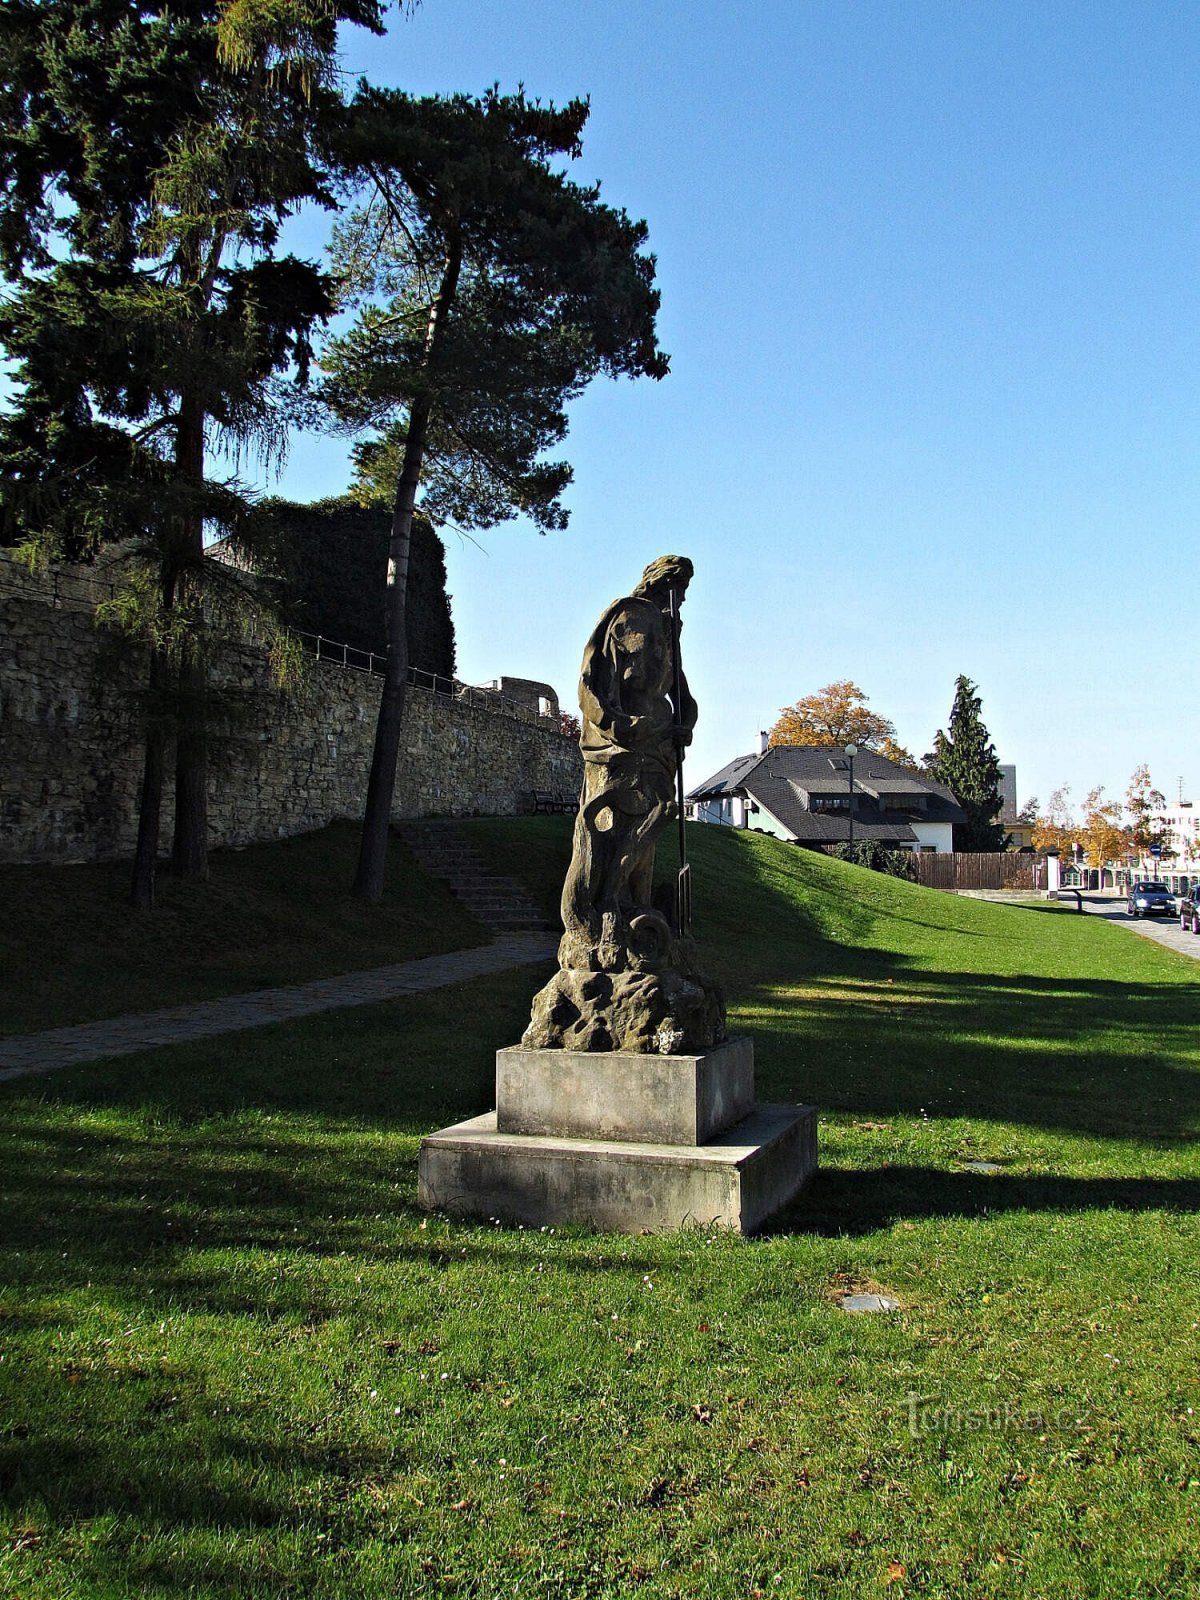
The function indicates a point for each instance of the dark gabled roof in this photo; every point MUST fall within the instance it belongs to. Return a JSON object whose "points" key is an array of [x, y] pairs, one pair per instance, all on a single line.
{"points": [[824, 827], [729, 780], [780, 779], [835, 783], [875, 782]]}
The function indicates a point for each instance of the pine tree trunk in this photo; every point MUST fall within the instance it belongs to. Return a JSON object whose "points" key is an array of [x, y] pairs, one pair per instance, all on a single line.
{"points": [[189, 856], [381, 786], [145, 861]]}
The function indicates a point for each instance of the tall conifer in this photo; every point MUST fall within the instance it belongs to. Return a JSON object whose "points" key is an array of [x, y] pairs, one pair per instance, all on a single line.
{"points": [[964, 759], [148, 155]]}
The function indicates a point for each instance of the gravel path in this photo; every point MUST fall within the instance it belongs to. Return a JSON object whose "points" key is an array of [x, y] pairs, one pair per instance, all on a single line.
{"points": [[122, 1036]]}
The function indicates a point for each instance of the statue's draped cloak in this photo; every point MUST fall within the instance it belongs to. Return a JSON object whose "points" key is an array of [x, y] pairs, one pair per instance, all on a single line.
{"points": [[628, 978]]}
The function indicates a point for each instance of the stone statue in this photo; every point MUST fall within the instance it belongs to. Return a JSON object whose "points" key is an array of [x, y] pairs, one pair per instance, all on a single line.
{"points": [[627, 976]]}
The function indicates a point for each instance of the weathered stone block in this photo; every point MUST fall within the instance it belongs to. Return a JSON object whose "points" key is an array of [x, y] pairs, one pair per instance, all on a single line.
{"points": [[650, 1099], [736, 1181]]}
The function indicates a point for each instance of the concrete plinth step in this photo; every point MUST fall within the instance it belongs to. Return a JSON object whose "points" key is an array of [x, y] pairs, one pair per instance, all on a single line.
{"points": [[736, 1180]]}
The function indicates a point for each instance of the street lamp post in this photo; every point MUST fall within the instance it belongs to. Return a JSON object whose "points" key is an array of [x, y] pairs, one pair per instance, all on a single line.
{"points": [[851, 752]]}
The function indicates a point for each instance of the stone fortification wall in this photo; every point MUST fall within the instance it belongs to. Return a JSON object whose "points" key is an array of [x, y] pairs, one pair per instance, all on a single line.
{"points": [[281, 763]]}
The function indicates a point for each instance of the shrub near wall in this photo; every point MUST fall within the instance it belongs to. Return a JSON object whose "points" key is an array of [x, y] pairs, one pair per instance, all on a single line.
{"points": [[71, 750]]}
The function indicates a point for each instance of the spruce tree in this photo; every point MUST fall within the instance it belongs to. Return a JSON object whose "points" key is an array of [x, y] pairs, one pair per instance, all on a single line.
{"points": [[964, 759], [148, 155]]}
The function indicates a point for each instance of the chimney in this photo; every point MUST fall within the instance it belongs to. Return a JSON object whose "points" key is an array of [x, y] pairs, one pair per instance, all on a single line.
{"points": [[762, 742]]}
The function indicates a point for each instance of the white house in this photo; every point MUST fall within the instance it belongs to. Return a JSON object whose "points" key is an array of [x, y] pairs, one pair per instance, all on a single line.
{"points": [[808, 794]]}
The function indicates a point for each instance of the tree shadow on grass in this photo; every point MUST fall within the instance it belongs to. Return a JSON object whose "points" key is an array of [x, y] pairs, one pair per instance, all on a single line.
{"points": [[1094, 1056], [116, 1210], [841, 1201]]}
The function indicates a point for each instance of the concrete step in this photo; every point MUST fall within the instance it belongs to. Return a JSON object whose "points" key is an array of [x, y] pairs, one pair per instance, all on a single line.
{"points": [[499, 902]]}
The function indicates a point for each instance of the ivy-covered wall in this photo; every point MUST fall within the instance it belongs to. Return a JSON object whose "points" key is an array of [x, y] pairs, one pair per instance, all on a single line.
{"points": [[332, 558]]}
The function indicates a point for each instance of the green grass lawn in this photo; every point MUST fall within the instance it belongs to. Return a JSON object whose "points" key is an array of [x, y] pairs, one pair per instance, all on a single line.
{"points": [[235, 1360], [72, 949]]}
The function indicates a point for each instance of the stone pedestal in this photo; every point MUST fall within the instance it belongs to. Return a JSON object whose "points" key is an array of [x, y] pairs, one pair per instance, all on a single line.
{"points": [[624, 1142]]}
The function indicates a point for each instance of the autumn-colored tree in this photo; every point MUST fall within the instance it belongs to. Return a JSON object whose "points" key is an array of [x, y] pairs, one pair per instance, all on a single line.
{"points": [[1101, 834], [568, 725], [835, 715], [897, 753], [1142, 800], [1056, 828]]}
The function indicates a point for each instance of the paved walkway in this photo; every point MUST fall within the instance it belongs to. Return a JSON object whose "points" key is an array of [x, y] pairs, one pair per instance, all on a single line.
{"points": [[123, 1036], [1163, 930]]}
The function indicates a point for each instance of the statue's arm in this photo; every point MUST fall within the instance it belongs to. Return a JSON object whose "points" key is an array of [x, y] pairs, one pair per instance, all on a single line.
{"points": [[686, 712]]}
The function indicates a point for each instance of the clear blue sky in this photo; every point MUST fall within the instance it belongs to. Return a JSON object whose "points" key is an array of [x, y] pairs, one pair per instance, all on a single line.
{"points": [[930, 290]]}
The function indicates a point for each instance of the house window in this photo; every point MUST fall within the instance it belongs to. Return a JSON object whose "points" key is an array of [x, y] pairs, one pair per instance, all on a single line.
{"points": [[830, 802]]}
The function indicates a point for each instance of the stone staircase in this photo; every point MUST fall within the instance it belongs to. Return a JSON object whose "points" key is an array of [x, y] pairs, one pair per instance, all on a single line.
{"points": [[501, 903]]}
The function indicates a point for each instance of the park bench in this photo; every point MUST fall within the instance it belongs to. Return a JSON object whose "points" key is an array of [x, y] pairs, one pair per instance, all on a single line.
{"points": [[548, 804]]}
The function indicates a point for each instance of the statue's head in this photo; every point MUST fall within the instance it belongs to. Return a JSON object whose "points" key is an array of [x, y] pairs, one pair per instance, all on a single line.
{"points": [[668, 572]]}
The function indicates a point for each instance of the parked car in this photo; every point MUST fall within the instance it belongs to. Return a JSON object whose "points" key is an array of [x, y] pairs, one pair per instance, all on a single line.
{"points": [[1148, 898], [1189, 909]]}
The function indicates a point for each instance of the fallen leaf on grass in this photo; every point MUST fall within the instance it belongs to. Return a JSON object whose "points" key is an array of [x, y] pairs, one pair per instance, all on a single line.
{"points": [[461, 1505], [701, 1413], [895, 1571], [874, 1127]]}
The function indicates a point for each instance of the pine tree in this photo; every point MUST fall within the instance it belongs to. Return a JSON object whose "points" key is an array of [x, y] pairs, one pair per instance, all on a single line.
{"points": [[493, 290], [964, 759]]}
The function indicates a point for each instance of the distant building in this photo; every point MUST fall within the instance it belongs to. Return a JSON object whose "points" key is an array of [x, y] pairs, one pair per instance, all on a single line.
{"points": [[1008, 794], [1020, 834], [1179, 865], [533, 695], [803, 793]]}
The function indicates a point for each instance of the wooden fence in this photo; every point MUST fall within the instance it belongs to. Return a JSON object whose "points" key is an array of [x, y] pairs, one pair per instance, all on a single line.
{"points": [[989, 869]]}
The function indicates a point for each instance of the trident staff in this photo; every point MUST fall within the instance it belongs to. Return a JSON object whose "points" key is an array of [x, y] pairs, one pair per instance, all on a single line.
{"points": [[683, 891]]}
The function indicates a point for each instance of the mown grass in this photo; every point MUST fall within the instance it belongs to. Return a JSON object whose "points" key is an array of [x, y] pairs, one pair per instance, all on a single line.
{"points": [[72, 949], [239, 1362]]}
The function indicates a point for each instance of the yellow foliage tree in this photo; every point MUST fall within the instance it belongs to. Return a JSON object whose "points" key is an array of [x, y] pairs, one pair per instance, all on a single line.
{"points": [[1056, 828], [835, 715], [1142, 800], [1101, 835], [897, 753]]}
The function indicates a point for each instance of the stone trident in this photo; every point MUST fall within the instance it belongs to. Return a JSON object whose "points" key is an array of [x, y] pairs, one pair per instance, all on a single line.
{"points": [[683, 888]]}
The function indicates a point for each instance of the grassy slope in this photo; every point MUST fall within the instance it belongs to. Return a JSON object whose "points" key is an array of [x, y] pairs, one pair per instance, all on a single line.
{"points": [[73, 950], [238, 1362]]}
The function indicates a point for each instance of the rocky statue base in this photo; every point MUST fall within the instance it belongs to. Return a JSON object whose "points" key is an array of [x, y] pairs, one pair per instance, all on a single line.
{"points": [[618, 998], [623, 1141]]}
